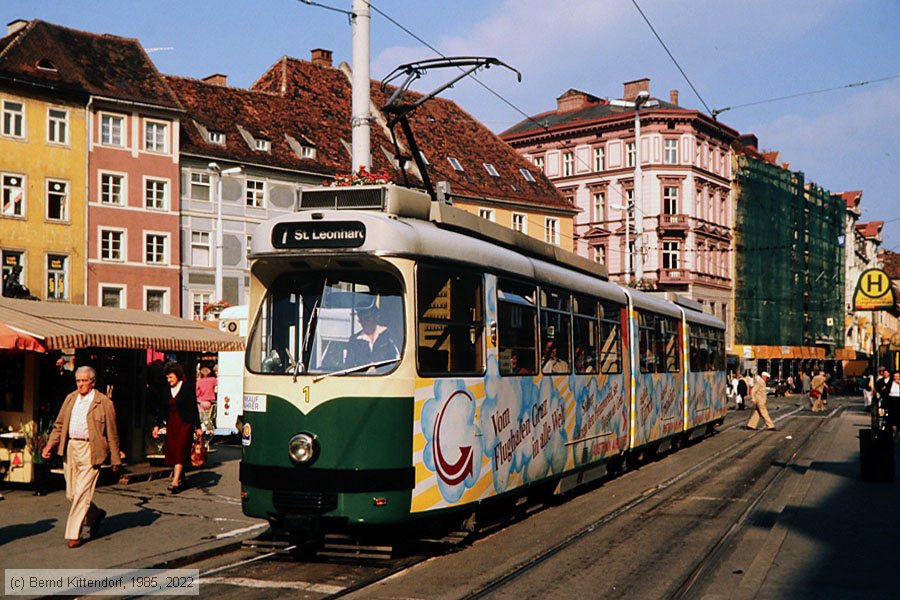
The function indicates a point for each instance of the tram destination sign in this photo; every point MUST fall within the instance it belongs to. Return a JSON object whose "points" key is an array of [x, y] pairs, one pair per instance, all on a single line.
{"points": [[315, 234]]}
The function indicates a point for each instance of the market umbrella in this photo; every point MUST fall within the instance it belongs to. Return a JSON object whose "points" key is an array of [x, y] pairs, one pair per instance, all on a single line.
{"points": [[13, 339]]}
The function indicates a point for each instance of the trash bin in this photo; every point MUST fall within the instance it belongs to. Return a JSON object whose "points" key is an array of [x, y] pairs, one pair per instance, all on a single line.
{"points": [[876, 455]]}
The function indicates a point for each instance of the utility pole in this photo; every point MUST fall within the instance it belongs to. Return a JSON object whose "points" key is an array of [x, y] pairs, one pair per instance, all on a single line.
{"points": [[641, 99], [361, 119]]}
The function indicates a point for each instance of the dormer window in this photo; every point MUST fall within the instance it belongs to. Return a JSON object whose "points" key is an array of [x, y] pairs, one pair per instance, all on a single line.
{"points": [[527, 175], [263, 145], [491, 170], [217, 137], [45, 64], [307, 151], [455, 164]]}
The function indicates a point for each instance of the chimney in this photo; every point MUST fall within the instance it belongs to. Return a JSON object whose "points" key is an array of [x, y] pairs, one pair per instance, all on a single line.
{"points": [[14, 26], [673, 97], [749, 140], [216, 79], [574, 100], [321, 57], [632, 88]]}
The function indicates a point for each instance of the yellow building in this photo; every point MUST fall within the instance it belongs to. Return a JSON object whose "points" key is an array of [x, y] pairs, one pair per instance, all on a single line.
{"points": [[43, 163], [552, 226]]}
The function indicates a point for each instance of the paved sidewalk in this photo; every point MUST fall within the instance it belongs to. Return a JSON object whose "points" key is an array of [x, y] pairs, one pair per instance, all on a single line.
{"points": [[145, 527], [837, 535]]}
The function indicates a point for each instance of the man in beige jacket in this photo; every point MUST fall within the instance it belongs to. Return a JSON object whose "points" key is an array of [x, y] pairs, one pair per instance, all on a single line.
{"points": [[759, 398], [817, 390], [85, 435]]}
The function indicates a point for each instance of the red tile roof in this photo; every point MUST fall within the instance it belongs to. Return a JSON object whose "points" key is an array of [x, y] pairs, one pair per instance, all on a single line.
{"points": [[322, 95], [852, 199], [81, 62], [870, 230], [260, 114]]}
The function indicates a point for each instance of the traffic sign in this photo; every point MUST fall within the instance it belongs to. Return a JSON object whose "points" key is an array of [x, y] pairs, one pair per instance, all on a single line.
{"points": [[873, 291]]}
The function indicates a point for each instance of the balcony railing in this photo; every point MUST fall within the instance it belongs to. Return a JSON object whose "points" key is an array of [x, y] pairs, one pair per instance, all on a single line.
{"points": [[673, 222], [674, 276]]}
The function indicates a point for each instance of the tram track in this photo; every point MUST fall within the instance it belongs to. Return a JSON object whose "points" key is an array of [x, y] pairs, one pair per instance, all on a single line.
{"points": [[329, 578], [704, 562]]}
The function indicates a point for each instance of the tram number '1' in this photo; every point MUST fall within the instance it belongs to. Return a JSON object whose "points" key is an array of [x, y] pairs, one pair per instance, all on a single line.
{"points": [[306, 394]]}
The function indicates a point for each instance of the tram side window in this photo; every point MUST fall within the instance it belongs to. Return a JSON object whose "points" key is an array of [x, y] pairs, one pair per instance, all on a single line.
{"points": [[610, 338], [516, 326], [646, 339], [555, 334], [667, 342], [707, 349], [450, 321], [720, 355], [694, 348], [584, 334]]}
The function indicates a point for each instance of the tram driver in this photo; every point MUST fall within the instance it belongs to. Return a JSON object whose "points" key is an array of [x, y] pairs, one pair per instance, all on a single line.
{"points": [[373, 343]]}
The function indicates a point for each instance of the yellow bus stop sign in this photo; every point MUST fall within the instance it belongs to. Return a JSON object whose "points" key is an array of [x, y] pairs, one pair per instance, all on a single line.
{"points": [[873, 291]]}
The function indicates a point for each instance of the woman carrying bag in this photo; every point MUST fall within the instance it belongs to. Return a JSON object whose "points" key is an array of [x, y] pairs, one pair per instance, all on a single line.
{"points": [[182, 422]]}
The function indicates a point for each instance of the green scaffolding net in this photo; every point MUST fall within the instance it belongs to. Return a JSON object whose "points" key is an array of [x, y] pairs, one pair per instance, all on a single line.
{"points": [[789, 268]]}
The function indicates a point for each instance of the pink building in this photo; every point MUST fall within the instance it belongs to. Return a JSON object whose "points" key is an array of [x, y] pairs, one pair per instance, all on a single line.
{"points": [[680, 228], [133, 181]]}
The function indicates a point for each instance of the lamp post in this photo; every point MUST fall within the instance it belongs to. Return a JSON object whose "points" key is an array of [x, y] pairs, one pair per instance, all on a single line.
{"points": [[627, 208], [641, 99], [218, 172]]}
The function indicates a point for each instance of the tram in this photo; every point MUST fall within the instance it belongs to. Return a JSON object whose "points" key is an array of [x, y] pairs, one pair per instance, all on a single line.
{"points": [[411, 362]]}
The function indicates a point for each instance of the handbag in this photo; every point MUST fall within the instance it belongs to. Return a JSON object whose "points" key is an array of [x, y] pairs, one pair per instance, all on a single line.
{"points": [[198, 452], [813, 393]]}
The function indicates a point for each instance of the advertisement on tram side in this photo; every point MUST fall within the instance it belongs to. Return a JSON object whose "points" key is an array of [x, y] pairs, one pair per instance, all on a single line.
{"points": [[706, 397], [476, 438]]}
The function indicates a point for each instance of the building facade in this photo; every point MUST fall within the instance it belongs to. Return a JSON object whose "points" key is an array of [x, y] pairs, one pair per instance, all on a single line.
{"points": [[672, 231], [101, 147], [43, 186], [789, 264]]}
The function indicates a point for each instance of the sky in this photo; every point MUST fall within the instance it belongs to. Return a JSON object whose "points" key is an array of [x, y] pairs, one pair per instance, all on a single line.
{"points": [[733, 53]]}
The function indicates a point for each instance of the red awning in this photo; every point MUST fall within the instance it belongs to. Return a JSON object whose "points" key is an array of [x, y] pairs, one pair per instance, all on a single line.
{"points": [[13, 339]]}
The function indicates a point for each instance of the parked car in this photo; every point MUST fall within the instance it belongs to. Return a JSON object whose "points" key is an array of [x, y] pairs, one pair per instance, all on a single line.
{"points": [[777, 387]]}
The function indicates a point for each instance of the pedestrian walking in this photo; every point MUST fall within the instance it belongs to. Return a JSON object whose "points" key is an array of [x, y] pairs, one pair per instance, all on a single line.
{"points": [[742, 392], [891, 403], [85, 435], [867, 385], [759, 399], [805, 383], [817, 390], [206, 398], [181, 422], [733, 392]]}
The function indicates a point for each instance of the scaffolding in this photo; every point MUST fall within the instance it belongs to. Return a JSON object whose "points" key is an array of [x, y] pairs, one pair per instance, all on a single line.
{"points": [[789, 275]]}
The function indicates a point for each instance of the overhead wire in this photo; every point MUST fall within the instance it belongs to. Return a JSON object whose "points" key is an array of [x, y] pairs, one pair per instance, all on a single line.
{"points": [[716, 112], [666, 48]]}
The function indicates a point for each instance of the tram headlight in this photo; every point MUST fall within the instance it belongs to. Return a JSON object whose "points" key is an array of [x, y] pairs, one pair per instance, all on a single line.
{"points": [[302, 448]]}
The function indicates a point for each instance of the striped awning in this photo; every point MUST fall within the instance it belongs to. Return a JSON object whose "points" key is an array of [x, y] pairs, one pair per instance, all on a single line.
{"points": [[62, 326]]}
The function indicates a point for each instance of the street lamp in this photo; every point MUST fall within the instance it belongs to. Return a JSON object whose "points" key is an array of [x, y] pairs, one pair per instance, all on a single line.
{"points": [[217, 172], [641, 99]]}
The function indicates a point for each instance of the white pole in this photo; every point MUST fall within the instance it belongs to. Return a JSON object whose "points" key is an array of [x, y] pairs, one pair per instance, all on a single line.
{"points": [[638, 204], [627, 241], [360, 121], [219, 250]]}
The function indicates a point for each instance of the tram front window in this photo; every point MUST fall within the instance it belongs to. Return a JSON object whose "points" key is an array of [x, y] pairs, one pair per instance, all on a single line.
{"points": [[334, 323]]}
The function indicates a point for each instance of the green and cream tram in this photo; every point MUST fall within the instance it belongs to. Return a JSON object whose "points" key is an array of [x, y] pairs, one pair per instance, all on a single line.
{"points": [[408, 360]]}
